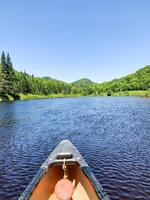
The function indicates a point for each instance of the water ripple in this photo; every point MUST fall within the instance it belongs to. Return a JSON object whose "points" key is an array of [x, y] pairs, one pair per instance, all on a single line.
{"points": [[111, 133]]}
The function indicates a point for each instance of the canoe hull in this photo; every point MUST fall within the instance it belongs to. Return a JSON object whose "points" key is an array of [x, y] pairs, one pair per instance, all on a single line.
{"points": [[86, 182]]}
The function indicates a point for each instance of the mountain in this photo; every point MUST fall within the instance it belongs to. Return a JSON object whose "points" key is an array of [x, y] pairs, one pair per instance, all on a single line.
{"points": [[140, 80], [13, 84], [48, 78], [83, 83]]}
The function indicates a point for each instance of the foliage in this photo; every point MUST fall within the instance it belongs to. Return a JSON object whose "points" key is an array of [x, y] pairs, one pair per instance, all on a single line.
{"points": [[15, 85], [36, 96], [141, 93], [140, 80], [83, 83], [7, 76]]}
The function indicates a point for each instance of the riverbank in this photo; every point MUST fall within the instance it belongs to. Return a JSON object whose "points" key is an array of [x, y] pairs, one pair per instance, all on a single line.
{"points": [[34, 96], [140, 93]]}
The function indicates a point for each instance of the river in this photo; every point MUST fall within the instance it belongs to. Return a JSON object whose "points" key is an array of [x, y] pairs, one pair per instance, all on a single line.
{"points": [[112, 134]]}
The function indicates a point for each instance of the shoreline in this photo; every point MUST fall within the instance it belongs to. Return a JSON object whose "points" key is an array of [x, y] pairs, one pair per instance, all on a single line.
{"points": [[34, 96], [140, 93]]}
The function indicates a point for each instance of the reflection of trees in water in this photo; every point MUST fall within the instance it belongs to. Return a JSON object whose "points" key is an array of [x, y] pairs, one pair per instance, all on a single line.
{"points": [[8, 116], [8, 120], [8, 159]]}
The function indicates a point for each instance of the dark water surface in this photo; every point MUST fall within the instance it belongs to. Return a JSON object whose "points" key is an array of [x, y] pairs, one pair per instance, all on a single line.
{"points": [[112, 133]]}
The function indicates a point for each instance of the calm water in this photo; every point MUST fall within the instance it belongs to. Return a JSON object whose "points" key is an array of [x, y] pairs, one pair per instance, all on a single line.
{"points": [[112, 133]]}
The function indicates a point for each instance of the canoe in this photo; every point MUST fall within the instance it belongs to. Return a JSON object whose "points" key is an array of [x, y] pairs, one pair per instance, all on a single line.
{"points": [[65, 172]]}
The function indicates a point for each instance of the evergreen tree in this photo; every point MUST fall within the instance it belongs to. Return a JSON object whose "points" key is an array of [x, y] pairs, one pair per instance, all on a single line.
{"points": [[0, 79], [4, 82], [9, 63], [7, 75], [25, 83], [3, 58], [10, 75]]}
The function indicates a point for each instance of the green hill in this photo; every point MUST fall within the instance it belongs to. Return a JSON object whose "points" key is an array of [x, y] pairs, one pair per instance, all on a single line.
{"points": [[83, 83], [14, 85], [138, 81], [48, 78]]}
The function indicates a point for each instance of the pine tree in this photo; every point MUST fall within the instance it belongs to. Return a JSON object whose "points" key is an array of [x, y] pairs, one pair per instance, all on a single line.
{"points": [[10, 75], [7, 75], [25, 83], [0, 80], [3, 59], [8, 62], [4, 82]]}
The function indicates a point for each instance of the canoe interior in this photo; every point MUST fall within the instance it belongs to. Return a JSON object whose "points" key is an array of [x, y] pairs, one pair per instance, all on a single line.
{"points": [[83, 189]]}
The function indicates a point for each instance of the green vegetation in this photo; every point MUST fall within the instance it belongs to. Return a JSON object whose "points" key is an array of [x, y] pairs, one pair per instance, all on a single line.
{"points": [[35, 96], [20, 85], [140, 93], [83, 83], [82, 86], [136, 84], [140, 80]]}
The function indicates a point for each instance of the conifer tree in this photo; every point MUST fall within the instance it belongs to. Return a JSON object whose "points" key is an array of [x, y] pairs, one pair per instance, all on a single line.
{"points": [[3, 58], [7, 75], [4, 82], [0, 80], [8, 62], [10, 74]]}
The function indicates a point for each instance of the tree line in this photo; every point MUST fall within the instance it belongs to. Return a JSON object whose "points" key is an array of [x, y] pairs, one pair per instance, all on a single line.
{"points": [[140, 80], [14, 83]]}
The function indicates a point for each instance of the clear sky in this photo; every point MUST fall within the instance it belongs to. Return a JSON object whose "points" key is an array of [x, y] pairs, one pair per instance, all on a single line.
{"points": [[73, 39]]}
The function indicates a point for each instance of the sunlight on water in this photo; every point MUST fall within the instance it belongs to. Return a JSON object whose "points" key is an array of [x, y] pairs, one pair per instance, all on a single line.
{"points": [[112, 133]]}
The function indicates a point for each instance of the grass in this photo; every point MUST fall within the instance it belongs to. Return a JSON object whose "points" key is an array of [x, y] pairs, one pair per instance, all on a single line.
{"points": [[140, 93], [35, 96]]}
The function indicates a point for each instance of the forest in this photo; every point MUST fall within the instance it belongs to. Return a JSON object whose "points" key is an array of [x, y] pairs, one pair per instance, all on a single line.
{"points": [[20, 85]]}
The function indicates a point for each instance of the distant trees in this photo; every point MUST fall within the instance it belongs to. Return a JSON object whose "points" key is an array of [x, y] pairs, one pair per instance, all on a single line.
{"points": [[140, 80], [13, 83]]}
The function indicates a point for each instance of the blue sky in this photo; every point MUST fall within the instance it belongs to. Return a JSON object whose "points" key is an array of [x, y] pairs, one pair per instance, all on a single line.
{"points": [[72, 39]]}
